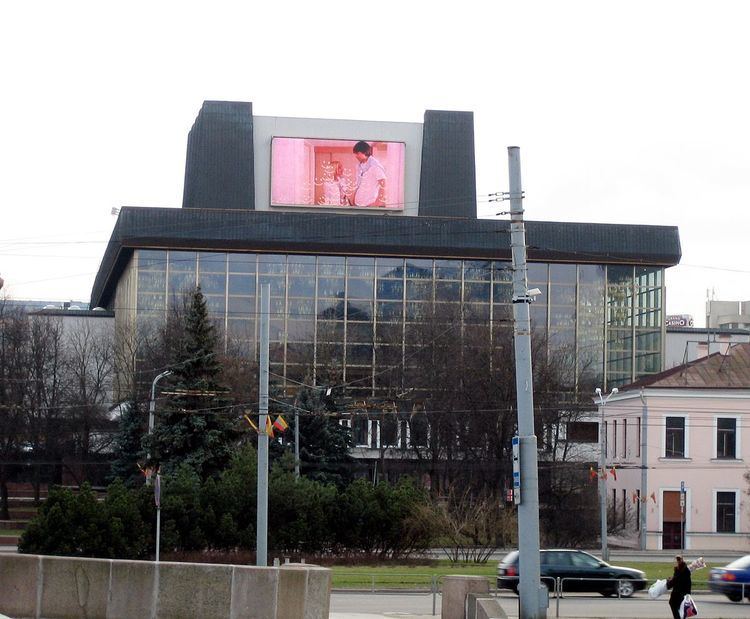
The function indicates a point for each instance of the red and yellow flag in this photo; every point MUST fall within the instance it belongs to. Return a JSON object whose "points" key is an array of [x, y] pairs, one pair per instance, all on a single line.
{"points": [[280, 424], [614, 473], [269, 426], [593, 475]]}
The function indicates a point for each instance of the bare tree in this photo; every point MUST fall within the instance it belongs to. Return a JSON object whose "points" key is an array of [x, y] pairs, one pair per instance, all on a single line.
{"points": [[13, 390], [88, 390]]}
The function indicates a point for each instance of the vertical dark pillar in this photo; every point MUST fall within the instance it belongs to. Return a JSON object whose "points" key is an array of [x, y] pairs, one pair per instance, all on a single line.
{"points": [[448, 184], [219, 164]]}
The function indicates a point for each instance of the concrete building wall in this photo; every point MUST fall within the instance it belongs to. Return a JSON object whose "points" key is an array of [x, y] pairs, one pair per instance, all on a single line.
{"points": [[728, 314]]}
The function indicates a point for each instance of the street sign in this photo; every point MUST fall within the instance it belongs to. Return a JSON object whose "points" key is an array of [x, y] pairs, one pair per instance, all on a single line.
{"points": [[682, 487], [157, 491], [516, 471]]}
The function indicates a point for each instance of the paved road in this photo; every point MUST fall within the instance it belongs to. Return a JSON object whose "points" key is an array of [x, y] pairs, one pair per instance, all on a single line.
{"points": [[640, 606]]}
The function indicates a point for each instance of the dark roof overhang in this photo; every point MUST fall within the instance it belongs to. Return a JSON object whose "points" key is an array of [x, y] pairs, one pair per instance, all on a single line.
{"points": [[378, 235]]}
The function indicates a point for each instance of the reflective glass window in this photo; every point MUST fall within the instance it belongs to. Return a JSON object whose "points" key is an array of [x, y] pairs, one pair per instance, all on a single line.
{"points": [[448, 269], [271, 264], [390, 268], [331, 266], [241, 284], [359, 354], [418, 268], [419, 290], [474, 291], [241, 263], [562, 274], [389, 311], [358, 266], [212, 262], [359, 332], [277, 284], [390, 289], [241, 307], [184, 261], [360, 288], [301, 286], [212, 283], [152, 260], [477, 270], [331, 287], [301, 265], [359, 310], [152, 281], [537, 272], [448, 291]]}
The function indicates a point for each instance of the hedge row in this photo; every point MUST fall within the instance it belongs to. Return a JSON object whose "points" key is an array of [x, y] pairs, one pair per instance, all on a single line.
{"points": [[305, 517]]}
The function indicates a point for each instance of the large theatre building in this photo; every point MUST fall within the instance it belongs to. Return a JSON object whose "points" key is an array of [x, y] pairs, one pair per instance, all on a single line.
{"points": [[365, 231]]}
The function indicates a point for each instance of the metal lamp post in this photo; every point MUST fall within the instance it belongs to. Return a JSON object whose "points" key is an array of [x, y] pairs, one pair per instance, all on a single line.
{"points": [[151, 409], [602, 466]]}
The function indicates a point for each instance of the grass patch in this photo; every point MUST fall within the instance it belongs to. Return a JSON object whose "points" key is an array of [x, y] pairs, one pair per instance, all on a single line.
{"points": [[420, 576], [656, 570], [405, 576]]}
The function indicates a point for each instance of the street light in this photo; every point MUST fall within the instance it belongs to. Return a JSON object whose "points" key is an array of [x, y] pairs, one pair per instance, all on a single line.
{"points": [[602, 466], [151, 409]]}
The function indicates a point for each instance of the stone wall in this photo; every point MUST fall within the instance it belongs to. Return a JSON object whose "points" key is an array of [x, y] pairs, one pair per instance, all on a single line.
{"points": [[66, 587]]}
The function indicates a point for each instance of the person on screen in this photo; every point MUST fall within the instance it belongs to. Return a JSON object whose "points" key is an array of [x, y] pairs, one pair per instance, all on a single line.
{"points": [[370, 187], [335, 188]]}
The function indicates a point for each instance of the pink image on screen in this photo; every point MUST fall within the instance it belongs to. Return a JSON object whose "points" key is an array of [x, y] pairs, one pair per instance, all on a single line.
{"points": [[337, 173]]}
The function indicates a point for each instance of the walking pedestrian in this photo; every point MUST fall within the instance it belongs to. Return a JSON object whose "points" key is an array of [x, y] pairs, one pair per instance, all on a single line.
{"points": [[680, 584]]}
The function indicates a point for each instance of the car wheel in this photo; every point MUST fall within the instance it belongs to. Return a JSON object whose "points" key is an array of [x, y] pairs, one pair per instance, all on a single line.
{"points": [[734, 597], [625, 588]]}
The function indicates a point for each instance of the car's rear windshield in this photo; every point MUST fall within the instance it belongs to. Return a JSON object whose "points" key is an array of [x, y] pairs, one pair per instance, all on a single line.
{"points": [[511, 557], [740, 564]]}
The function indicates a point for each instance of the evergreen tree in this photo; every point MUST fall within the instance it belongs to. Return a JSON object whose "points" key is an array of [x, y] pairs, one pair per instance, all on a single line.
{"points": [[128, 450], [324, 442], [194, 425]]}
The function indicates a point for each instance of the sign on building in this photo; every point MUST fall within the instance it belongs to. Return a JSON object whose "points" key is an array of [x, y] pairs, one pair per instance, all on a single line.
{"points": [[679, 320]]}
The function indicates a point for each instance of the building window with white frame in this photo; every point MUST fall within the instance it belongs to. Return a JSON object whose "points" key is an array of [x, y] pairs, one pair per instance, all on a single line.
{"points": [[674, 445], [726, 438], [726, 510]]}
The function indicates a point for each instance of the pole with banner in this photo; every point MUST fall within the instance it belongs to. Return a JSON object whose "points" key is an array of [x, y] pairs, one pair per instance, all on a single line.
{"points": [[682, 516], [157, 500]]}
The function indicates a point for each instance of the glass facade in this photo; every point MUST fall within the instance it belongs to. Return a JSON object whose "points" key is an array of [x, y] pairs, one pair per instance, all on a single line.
{"points": [[356, 316]]}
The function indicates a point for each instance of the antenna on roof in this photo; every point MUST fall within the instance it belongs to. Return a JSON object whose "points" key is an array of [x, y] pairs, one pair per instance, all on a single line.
{"points": [[724, 357]]}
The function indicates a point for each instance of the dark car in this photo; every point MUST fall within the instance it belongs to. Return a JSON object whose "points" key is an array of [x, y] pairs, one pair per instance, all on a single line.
{"points": [[578, 571], [732, 580]]}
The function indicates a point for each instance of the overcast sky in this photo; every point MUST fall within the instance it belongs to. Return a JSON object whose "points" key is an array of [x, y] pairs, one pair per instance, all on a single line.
{"points": [[631, 112]]}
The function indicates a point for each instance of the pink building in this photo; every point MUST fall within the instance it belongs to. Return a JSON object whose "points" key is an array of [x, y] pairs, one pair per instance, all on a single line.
{"points": [[679, 444]]}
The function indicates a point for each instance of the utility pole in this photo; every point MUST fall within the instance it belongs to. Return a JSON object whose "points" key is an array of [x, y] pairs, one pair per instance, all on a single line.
{"points": [[644, 471], [261, 532], [602, 470], [530, 590], [296, 442]]}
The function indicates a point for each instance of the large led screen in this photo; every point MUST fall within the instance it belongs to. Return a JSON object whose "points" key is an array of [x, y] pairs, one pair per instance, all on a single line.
{"points": [[337, 173]]}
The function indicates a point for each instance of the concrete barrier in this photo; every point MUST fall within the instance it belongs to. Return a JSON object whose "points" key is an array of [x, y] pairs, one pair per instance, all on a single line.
{"points": [[43, 587], [455, 590]]}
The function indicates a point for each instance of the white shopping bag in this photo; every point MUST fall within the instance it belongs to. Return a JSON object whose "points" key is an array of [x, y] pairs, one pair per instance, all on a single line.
{"points": [[658, 588], [688, 608]]}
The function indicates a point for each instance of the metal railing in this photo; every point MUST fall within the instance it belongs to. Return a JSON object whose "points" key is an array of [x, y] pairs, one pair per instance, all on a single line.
{"points": [[379, 583]]}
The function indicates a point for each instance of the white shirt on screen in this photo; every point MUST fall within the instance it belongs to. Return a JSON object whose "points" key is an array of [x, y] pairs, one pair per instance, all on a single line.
{"points": [[369, 175]]}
